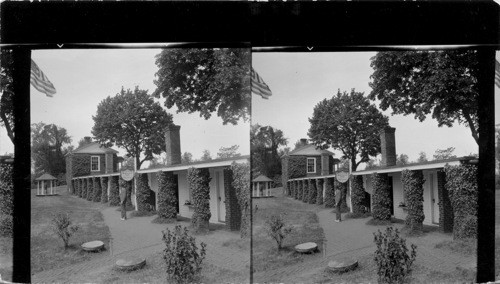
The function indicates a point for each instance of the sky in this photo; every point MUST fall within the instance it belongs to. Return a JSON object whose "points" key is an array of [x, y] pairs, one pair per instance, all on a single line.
{"points": [[84, 77], [299, 81]]}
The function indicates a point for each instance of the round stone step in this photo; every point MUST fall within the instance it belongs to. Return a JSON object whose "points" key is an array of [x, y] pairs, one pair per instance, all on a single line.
{"points": [[342, 265], [93, 246], [306, 247], [131, 263]]}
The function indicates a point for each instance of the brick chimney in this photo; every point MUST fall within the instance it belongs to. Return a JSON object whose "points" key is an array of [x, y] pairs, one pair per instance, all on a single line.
{"points": [[173, 145], [87, 139], [303, 141], [388, 146]]}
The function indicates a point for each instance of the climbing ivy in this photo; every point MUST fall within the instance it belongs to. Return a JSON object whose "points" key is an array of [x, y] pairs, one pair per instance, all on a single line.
{"points": [[293, 167], [413, 182], [167, 201], [381, 197], [319, 192], [84, 188], [104, 189], [199, 183], [358, 195], [241, 184], [142, 193], [97, 190], [80, 165], [114, 193], [329, 193], [90, 189], [305, 191], [461, 184], [312, 191]]}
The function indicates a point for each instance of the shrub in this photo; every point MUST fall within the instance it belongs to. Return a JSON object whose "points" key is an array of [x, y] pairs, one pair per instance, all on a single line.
{"points": [[394, 263], [329, 193], [182, 256], [97, 190], [413, 182], [461, 184], [241, 184], [312, 191], [6, 190], [276, 227], [114, 193], [358, 195], [142, 193], [104, 189], [167, 201], [6, 225], [199, 183], [319, 191], [381, 199], [61, 225]]}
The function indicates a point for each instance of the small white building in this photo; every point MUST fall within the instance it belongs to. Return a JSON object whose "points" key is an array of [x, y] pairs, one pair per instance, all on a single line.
{"points": [[46, 185], [261, 186]]}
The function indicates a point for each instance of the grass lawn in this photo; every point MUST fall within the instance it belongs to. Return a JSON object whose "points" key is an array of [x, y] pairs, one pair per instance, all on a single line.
{"points": [[306, 229], [6, 258], [47, 249]]}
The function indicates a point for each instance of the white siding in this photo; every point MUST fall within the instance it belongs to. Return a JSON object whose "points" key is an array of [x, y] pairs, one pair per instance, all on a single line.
{"points": [[398, 195]]}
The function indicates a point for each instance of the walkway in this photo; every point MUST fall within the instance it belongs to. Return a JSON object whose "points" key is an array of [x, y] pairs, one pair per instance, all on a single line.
{"points": [[139, 237]]}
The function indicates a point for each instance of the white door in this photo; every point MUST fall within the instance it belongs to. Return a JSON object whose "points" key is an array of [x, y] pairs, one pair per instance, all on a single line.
{"points": [[434, 198], [221, 198]]}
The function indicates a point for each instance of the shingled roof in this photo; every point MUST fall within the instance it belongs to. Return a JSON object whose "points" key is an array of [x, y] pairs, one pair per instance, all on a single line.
{"points": [[46, 177], [93, 148], [261, 178], [309, 150]]}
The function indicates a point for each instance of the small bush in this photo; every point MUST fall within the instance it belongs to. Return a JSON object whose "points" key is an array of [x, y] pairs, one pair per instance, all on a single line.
{"points": [[61, 225], [394, 263], [276, 227], [182, 256]]}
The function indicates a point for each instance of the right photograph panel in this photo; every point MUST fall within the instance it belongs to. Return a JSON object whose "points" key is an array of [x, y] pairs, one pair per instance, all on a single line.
{"points": [[364, 166]]}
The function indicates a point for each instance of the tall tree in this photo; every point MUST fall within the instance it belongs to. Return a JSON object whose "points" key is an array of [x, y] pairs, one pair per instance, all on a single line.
{"points": [[422, 157], [7, 92], [134, 121], [228, 152], [443, 83], [402, 160], [187, 158], [206, 156], [443, 154], [206, 80], [264, 143], [349, 123], [48, 147]]}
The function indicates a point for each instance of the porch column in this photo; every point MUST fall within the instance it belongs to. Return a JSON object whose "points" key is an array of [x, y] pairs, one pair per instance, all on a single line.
{"points": [[43, 187], [51, 188], [37, 187]]}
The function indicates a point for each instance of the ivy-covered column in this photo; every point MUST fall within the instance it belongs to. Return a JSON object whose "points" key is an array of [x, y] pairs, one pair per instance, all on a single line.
{"points": [[319, 191], [358, 195], [300, 190], [142, 193], [312, 191], [199, 183], [241, 183], [84, 188], [305, 190], [75, 187], [381, 197], [445, 208], [90, 189], [329, 193], [97, 190], [292, 189], [167, 201], [461, 184], [114, 192], [104, 189], [296, 189], [413, 187]]}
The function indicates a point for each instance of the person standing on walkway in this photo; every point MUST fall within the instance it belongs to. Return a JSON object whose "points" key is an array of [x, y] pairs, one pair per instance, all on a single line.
{"points": [[123, 202], [337, 205]]}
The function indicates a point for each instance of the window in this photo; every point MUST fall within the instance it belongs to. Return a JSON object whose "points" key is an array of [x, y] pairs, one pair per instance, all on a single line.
{"points": [[94, 163], [311, 165]]}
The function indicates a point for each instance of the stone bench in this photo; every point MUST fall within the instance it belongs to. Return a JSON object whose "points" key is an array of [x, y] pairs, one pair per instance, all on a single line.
{"points": [[93, 246], [131, 263], [306, 248]]}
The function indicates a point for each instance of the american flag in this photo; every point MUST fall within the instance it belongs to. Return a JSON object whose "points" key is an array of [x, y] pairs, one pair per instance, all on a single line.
{"points": [[259, 87], [497, 73], [40, 81]]}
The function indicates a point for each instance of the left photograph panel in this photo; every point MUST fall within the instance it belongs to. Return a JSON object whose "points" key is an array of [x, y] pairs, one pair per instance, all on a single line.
{"points": [[139, 165]]}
